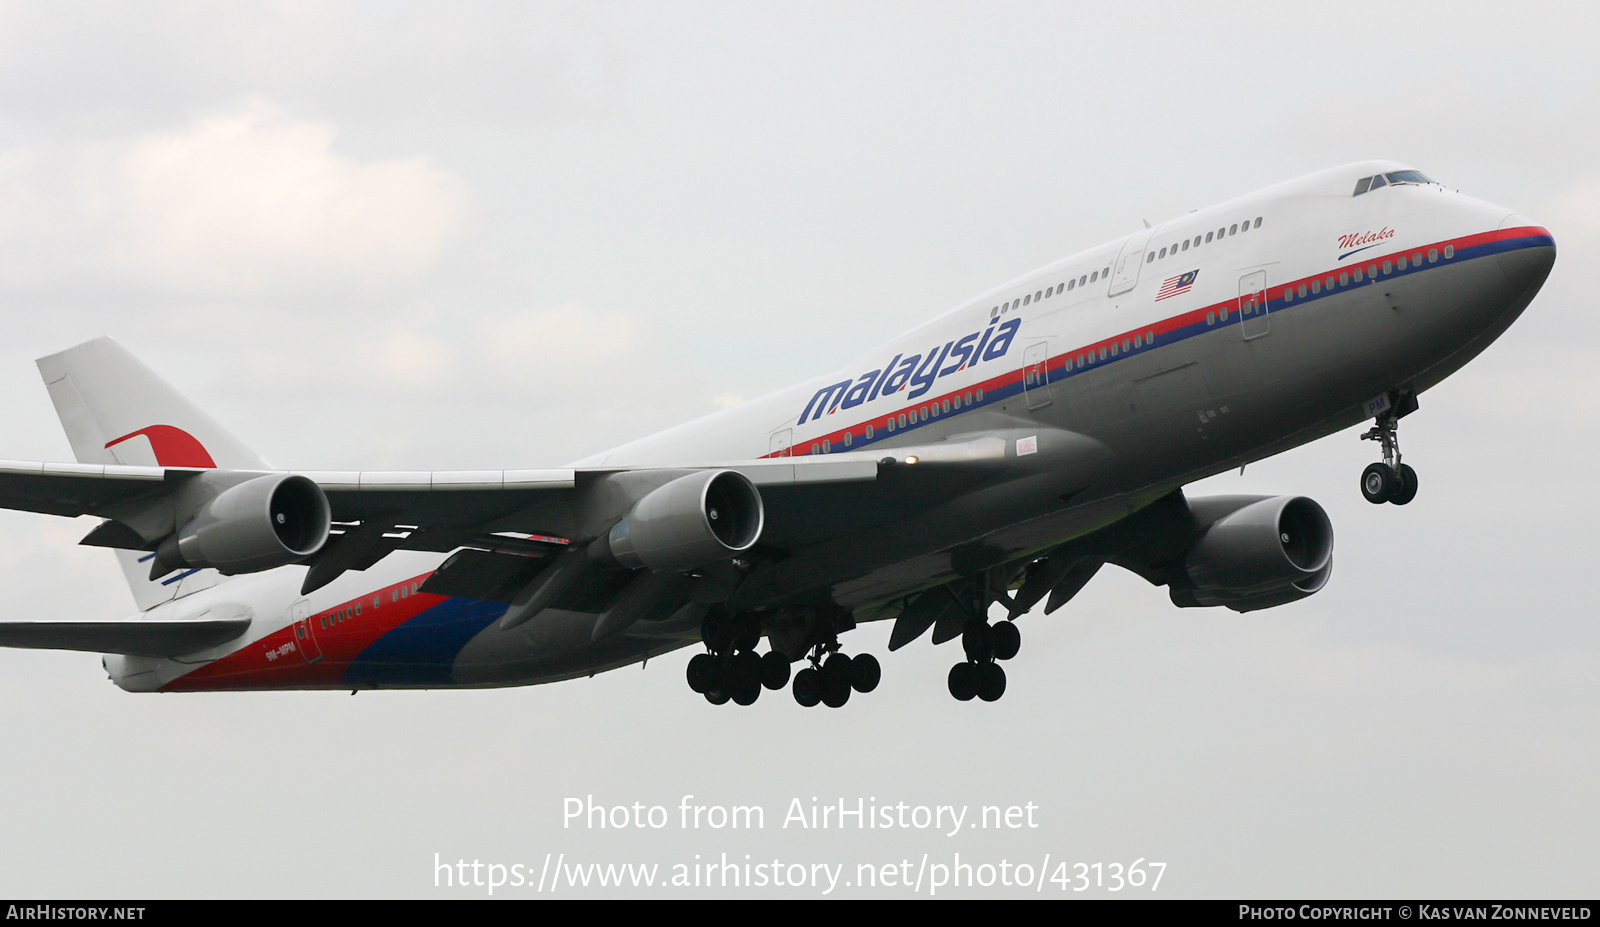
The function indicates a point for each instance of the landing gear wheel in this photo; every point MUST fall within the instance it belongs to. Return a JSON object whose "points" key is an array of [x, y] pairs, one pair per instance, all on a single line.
{"points": [[1378, 483], [744, 671], [1390, 480], [717, 696], [1007, 640], [865, 673], [836, 680], [835, 689], [746, 691], [978, 641], [808, 687], [963, 681], [702, 672], [837, 666], [1407, 490], [717, 632], [991, 681], [774, 670], [746, 634]]}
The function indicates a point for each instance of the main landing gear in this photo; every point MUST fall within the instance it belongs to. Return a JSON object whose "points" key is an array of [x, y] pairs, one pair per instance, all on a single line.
{"points": [[832, 676], [731, 670], [1389, 480], [981, 676]]}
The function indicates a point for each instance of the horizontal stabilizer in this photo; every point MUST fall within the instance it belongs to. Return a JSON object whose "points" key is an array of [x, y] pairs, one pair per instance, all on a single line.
{"points": [[136, 638]]}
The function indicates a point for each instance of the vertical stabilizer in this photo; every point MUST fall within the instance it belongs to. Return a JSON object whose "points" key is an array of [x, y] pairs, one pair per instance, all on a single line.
{"points": [[115, 410], [118, 411]]}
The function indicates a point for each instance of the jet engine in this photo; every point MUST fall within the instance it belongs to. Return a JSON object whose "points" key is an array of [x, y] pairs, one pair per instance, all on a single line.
{"points": [[259, 524], [1268, 552], [688, 523]]}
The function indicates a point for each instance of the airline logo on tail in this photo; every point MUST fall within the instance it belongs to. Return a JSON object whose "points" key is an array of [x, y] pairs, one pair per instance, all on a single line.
{"points": [[173, 446]]}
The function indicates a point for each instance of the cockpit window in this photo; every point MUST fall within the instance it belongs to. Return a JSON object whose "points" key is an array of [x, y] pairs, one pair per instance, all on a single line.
{"points": [[1367, 184]]}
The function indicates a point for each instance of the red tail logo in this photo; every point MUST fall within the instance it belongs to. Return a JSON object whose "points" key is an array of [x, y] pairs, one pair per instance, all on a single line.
{"points": [[174, 447]]}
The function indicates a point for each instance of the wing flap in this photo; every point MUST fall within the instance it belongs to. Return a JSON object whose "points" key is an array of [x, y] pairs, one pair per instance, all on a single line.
{"points": [[135, 638]]}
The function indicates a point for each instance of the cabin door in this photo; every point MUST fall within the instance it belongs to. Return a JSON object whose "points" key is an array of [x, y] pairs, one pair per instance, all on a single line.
{"points": [[1126, 275], [305, 639], [1253, 320], [1034, 382]]}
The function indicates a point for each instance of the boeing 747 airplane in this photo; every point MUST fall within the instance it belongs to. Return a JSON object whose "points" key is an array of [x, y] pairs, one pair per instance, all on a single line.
{"points": [[988, 461]]}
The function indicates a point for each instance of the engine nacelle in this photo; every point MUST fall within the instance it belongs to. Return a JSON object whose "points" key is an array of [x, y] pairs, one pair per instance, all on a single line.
{"points": [[262, 523], [690, 522], [1269, 552]]}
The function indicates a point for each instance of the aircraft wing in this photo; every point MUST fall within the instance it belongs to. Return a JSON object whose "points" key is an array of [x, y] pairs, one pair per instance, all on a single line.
{"points": [[137, 638], [513, 511]]}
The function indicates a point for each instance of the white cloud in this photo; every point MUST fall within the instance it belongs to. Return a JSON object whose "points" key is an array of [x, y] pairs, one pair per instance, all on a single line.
{"points": [[255, 197], [404, 359], [561, 340], [1576, 209]]}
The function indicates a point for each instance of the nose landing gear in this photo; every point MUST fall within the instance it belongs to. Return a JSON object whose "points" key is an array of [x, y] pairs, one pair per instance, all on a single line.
{"points": [[1391, 480]]}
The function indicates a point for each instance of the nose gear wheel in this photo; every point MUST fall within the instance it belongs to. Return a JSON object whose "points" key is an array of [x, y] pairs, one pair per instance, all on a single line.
{"points": [[1390, 480]]}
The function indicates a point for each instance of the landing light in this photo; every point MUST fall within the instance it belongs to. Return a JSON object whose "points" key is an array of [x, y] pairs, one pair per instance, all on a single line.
{"points": [[911, 458]]}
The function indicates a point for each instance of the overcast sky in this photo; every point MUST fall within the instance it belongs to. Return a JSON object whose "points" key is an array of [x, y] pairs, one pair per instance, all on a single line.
{"points": [[414, 236]]}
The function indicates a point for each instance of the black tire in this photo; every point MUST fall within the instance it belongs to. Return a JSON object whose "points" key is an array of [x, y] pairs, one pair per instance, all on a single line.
{"points": [[717, 696], [963, 681], [1007, 639], [745, 692], [837, 666], [774, 670], [808, 687], [991, 681], [1407, 490], [703, 672], [1378, 483], [978, 641], [716, 632], [746, 634], [744, 670], [865, 673], [835, 689]]}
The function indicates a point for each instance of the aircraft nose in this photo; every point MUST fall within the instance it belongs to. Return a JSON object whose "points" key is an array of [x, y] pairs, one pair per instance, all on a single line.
{"points": [[1529, 262]]}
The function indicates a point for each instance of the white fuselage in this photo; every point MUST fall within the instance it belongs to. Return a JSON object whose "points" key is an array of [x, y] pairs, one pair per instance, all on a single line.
{"points": [[1136, 346]]}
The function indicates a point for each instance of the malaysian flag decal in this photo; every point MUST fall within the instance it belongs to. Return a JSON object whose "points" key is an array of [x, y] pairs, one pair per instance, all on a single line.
{"points": [[1177, 286]]}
